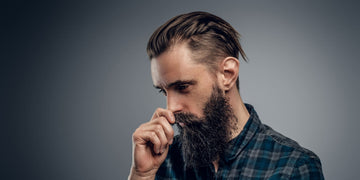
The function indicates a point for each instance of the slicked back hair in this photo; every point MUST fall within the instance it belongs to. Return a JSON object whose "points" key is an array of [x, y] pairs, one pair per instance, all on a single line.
{"points": [[209, 38]]}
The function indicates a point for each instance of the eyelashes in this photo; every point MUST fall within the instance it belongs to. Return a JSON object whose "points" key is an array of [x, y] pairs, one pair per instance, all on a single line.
{"points": [[183, 89], [162, 91]]}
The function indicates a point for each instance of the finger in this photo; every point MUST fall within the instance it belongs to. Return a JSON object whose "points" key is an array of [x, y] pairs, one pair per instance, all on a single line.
{"points": [[166, 113], [162, 137], [158, 129], [154, 139], [168, 130]]}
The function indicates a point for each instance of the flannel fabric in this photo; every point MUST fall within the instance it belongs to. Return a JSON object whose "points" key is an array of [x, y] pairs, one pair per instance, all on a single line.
{"points": [[258, 152]]}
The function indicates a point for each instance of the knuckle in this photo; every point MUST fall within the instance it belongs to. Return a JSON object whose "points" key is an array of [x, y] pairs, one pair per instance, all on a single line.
{"points": [[162, 119], [141, 126], [158, 128], [136, 135], [153, 135], [159, 119], [171, 133], [136, 132]]}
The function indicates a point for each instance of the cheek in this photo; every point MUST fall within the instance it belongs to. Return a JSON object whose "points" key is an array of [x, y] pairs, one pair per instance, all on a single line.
{"points": [[200, 95], [197, 101]]}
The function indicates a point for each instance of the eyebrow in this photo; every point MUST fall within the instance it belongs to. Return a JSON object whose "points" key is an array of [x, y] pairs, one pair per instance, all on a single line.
{"points": [[177, 83]]}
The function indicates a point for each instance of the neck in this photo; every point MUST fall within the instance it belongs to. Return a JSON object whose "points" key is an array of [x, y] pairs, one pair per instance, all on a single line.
{"points": [[239, 109]]}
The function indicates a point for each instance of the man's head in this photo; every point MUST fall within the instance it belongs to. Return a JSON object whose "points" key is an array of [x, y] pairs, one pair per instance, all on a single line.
{"points": [[190, 53], [194, 62], [209, 38]]}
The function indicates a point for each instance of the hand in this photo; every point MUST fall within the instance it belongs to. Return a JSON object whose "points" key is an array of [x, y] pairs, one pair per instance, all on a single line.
{"points": [[151, 144]]}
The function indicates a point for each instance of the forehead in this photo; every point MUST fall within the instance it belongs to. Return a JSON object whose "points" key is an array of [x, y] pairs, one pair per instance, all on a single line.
{"points": [[175, 64]]}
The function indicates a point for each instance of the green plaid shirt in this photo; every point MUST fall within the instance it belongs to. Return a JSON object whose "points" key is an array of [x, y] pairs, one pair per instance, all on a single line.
{"points": [[258, 152]]}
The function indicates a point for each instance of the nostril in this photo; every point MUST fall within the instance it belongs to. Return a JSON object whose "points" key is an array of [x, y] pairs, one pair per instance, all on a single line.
{"points": [[175, 108]]}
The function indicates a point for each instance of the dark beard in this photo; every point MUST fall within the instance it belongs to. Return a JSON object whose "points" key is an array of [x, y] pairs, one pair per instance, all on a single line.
{"points": [[204, 139]]}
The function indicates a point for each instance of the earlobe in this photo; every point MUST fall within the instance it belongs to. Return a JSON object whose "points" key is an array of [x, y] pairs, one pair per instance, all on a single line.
{"points": [[230, 71]]}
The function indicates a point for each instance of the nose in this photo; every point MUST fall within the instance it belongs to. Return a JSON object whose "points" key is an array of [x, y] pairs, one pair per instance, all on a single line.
{"points": [[174, 103]]}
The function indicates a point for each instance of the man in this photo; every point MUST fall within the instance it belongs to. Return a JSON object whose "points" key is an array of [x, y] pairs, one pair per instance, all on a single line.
{"points": [[194, 63]]}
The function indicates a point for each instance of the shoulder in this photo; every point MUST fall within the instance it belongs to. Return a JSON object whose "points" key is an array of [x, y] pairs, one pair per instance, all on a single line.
{"points": [[292, 160], [284, 143]]}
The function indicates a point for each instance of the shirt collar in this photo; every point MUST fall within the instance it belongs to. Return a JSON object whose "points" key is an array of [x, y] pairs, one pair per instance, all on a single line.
{"points": [[237, 144]]}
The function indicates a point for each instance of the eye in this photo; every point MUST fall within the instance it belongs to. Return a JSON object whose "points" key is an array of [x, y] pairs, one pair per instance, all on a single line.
{"points": [[182, 87], [162, 92]]}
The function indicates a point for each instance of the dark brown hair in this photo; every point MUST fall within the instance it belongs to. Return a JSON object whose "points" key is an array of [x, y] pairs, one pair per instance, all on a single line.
{"points": [[209, 37]]}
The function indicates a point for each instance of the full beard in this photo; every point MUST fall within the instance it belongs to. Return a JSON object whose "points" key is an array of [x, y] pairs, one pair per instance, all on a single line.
{"points": [[204, 139]]}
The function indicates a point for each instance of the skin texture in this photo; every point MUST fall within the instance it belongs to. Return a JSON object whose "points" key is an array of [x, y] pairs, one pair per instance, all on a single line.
{"points": [[187, 86]]}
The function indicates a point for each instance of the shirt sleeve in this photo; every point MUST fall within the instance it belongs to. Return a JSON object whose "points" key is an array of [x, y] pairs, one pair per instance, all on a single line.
{"points": [[308, 169]]}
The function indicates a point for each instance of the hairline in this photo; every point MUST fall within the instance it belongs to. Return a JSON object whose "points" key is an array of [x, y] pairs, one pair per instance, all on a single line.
{"points": [[194, 57]]}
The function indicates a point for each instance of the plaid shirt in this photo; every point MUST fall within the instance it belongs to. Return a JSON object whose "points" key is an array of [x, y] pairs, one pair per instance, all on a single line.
{"points": [[258, 152]]}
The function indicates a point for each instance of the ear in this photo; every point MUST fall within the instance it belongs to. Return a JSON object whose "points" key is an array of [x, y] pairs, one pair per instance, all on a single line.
{"points": [[229, 70]]}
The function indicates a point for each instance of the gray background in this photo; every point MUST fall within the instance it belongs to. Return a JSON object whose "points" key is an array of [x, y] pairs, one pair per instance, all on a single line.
{"points": [[75, 80]]}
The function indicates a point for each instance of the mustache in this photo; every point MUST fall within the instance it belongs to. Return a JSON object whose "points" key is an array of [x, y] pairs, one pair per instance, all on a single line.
{"points": [[186, 118]]}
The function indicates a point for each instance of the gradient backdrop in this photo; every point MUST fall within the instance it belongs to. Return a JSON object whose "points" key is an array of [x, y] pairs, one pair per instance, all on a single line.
{"points": [[75, 80]]}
